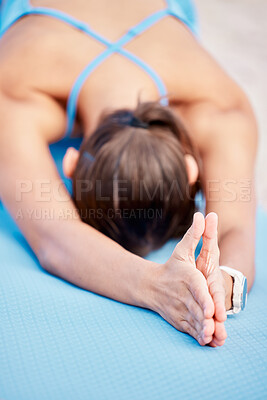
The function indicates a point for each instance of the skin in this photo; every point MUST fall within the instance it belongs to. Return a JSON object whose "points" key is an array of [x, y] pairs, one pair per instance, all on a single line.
{"points": [[40, 59]]}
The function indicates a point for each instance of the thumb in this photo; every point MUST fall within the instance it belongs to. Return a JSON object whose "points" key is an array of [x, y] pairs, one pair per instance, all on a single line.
{"points": [[209, 255], [185, 249]]}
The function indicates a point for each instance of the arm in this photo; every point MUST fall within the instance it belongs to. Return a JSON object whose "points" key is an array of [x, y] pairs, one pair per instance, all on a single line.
{"points": [[228, 154], [228, 149], [64, 246], [229, 170], [224, 129]]}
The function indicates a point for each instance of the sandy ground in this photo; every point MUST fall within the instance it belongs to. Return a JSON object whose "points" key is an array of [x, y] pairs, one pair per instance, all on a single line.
{"points": [[235, 33]]}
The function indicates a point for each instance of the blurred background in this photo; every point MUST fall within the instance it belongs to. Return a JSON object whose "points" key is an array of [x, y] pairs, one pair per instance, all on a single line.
{"points": [[235, 33]]}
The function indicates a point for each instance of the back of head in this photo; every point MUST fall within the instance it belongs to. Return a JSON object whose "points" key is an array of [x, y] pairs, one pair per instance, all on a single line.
{"points": [[131, 181]]}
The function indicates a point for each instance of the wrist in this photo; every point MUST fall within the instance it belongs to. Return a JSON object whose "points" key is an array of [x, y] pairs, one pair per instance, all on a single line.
{"points": [[145, 294], [228, 285]]}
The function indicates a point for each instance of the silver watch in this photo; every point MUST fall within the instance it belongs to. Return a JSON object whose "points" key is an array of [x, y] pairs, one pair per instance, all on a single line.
{"points": [[239, 298]]}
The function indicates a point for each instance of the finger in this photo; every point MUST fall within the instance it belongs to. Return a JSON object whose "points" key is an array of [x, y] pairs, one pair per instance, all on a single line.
{"points": [[208, 330], [194, 308], [211, 229], [194, 323], [217, 292], [195, 316], [209, 255], [187, 246], [199, 290], [213, 343], [197, 313], [186, 327], [204, 331], [220, 334]]}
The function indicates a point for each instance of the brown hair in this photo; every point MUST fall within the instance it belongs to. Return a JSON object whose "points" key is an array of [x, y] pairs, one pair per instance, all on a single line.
{"points": [[131, 183]]}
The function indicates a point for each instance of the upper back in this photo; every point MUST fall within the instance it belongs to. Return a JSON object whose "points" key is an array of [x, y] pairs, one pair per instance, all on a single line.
{"points": [[47, 55]]}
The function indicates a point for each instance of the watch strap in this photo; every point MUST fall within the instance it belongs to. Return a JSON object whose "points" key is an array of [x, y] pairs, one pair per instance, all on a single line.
{"points": [[238, 303]]}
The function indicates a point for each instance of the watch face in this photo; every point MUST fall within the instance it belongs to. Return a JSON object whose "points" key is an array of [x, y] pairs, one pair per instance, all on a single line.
{"points": [[245, 294]]}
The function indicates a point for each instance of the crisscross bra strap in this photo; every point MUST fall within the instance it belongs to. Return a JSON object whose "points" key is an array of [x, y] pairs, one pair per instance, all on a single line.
{"points": [[181, 9], [111, 48]]}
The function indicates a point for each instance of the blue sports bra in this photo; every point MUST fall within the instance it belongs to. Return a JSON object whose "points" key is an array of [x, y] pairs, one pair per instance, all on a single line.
{"points": [[12, 10]]}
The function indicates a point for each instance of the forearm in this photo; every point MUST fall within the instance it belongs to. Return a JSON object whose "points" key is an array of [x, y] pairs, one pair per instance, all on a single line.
{"points": [[88, 259], [229, 187], [237, 250]]}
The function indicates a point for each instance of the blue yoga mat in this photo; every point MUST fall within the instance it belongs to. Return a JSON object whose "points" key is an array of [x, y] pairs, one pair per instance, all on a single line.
{"points": [[60, 342]]}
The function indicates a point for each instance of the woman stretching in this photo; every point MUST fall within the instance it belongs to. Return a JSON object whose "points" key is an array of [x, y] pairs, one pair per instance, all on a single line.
{"points": [[160, 121]]}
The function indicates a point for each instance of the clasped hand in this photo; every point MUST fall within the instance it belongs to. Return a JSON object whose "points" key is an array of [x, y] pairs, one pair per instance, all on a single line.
{"points": [[190, 293]]}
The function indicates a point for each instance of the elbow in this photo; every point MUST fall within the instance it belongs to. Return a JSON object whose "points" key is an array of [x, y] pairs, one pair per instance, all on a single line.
{"points": [[243, 116], [248, 120], [47, 258], [241, 102]]}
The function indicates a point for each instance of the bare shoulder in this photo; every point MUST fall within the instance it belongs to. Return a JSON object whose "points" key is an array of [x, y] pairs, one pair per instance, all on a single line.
{"points": [[228, 136], [22, 102], [212, 105], [196, 76], [31, 85], [35, 51]]}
